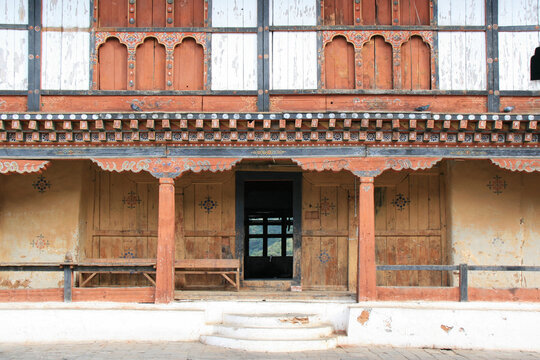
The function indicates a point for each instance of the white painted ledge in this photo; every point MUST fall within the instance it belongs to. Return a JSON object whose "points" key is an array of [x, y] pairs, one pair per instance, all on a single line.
{"points": [[474, 325]]}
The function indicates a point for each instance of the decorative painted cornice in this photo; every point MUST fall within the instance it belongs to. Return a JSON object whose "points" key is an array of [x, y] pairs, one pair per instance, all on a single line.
{"points": [[166, 167], [527, 165], [366, 166], [22, 166], [305, 129]]}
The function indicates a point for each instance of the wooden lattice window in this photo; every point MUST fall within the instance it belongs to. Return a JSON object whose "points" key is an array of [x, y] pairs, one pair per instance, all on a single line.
{"points": [[112, 69]]}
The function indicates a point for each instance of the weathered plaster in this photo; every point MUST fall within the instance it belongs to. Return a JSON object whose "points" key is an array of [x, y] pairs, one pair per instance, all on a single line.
{"points": [[40, 226], [490, 228]]}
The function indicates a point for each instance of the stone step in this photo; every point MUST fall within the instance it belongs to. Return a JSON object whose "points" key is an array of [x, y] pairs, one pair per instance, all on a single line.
{"points": [[271, 320], [270, 345], [306, 332]]}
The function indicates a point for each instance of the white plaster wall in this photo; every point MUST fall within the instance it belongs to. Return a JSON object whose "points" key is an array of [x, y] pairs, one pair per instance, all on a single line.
{"points": [[478, 325], [26, 216], [494, 229]]}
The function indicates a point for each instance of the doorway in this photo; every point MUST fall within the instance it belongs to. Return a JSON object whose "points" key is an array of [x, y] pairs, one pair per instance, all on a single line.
{"points": [[268, 225]]}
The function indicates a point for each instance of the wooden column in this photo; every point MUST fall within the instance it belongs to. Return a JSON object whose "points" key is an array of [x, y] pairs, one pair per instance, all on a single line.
{"points": [[165, 247], [366, 287]]}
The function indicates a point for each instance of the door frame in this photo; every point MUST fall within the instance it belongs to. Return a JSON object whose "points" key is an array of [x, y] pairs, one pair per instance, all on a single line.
{"points": [[296, 178]]}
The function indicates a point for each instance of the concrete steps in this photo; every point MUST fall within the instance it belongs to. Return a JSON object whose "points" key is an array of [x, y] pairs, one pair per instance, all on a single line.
{"points": [[272, 333]]}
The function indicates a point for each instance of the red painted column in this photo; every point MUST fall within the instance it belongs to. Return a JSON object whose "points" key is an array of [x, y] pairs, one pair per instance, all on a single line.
{"points": [[366, 287], [165, 246]]}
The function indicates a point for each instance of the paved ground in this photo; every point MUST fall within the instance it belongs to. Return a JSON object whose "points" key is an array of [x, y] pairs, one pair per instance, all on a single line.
{"points": [[195, 351]]}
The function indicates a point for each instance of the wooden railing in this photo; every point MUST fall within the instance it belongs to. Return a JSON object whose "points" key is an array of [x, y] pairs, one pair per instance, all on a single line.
{"points": [[463, 270]]}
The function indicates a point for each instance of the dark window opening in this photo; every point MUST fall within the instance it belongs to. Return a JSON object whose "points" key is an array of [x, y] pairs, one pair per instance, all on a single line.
{"points": [[535, 65]]}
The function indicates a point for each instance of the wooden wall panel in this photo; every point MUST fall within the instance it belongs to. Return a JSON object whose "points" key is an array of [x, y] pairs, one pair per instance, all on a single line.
{"points": [[150, 13], [13, 60], [234, 62], [207, 230], [338, 12], [189, 13], [463, 12], [462, 61], [14, 12], [377, 12], [150, 72], [66, 14], [519, 12], [69, 70], [325, 230], [112, 65], [293, 12], [410, 227], [415, 64], [293, 60], [515, 52], [123, 221], [188, 66], [377, 64], [414, 12], [339, 64], [113, 13], [234, 13]]}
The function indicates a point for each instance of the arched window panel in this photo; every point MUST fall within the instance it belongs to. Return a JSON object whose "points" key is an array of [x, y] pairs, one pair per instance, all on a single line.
{"points": [[376, 12], [188, 66], [338, 12], [151, 13], [377, 64], [415, 64], [339, 64], [189, 13], [415, 12], [150, 68], [112, 65], [113, 13]]}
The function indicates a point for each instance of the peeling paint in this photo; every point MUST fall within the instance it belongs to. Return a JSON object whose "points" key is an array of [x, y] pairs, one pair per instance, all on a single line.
{"points": [[388, 324], [446, 328], [296, 320], [364, 317]]}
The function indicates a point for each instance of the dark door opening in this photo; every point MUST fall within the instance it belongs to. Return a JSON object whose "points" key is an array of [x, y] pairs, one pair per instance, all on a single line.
{"points": [[268, 224]]}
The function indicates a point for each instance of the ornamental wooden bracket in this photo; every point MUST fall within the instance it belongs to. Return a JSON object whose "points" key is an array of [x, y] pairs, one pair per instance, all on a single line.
{"points": [[366, 166], [528, 165], [166, 167], [22, 166]]}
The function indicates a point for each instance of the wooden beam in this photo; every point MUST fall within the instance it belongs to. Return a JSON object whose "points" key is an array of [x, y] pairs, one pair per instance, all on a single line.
{"points": [[366, 287], [165, 248]]}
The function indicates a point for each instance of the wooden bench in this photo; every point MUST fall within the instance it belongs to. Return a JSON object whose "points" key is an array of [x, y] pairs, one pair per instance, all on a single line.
{"points": [[116, 266], [223, 267]]}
